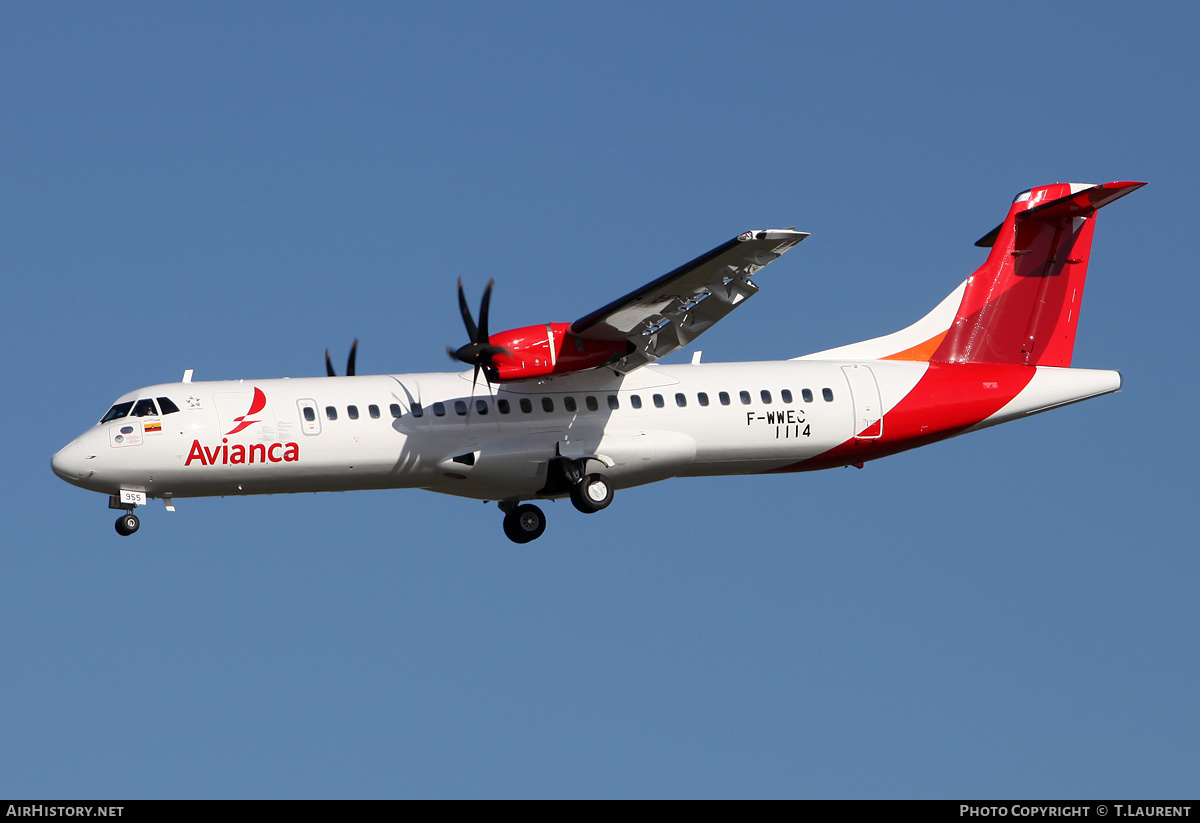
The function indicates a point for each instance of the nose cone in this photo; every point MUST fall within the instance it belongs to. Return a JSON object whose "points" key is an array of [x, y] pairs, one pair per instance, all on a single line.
{"points": [[69, 463]]}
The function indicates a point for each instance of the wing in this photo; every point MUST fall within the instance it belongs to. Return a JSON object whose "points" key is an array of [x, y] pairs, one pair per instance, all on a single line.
{"points": [[666, 315]]}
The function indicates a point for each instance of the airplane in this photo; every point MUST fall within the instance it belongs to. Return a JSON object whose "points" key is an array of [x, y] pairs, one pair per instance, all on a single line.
{"points": [[581, 410]]}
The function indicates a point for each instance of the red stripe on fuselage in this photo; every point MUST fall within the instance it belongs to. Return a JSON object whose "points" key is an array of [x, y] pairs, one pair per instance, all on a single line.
{"points": [[947, 400]]}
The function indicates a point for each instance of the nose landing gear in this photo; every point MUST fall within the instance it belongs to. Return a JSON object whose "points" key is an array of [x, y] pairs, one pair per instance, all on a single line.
{"points": [[127, 524]]}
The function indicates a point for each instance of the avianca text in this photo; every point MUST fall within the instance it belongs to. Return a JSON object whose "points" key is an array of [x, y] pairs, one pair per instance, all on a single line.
{"points": [[237, 454]]}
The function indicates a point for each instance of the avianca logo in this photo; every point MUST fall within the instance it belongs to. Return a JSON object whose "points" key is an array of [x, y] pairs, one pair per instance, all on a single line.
{"points": [[256, 405], [240, 454], [237, 454]]}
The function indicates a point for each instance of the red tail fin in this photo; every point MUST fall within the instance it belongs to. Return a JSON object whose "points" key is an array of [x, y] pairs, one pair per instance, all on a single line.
{"points": [[1022, 305]]}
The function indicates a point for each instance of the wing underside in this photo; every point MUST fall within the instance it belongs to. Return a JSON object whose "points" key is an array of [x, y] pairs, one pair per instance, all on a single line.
{"points": [[671, 312]]}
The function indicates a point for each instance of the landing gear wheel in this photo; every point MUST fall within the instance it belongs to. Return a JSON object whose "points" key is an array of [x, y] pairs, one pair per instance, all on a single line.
{"points": [[127, 524], [592, 493], [524, 523]]}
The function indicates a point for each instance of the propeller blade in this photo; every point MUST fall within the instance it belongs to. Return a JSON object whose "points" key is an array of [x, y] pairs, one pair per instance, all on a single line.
{"points": [[472, 331], [484, 305], [329, 365], [350, 362], [479, 352]]}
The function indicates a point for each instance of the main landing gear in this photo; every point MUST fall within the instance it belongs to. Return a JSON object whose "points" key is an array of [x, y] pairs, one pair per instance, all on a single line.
{"points": [[592, 493], [589, 493]]}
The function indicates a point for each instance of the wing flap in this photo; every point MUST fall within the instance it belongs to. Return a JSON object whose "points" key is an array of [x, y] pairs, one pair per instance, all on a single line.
{"points": [[669, 313]]}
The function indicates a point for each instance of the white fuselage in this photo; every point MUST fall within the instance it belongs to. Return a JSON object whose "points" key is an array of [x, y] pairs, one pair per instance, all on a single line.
{"points": [[438, 432]]}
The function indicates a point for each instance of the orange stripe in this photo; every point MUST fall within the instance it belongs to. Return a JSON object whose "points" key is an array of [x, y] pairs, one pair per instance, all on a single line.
{"points": [[921, 351]]}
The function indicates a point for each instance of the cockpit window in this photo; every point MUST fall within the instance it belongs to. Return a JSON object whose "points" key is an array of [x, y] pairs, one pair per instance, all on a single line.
{"points": [[167, 406], [117, 412], [145, 408]]}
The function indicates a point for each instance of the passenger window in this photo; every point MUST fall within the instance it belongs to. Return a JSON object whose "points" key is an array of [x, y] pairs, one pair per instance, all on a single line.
{"points": [[827, 394], [613, 402], [415, 408], [503, 407], [117, 412], [481, 406], [395, 410], [569, 403], [460, 407], [547, 404], [331, 412], [681, 400], [439, 409], [145, 408], [526, 405], [744, 397], [373, 410], [658, 401], [724, 398], [786, 394], [806, 394], [702, 399], [310, 414], [635, 401], [352, 412], [765, 395], [167, 406], [592, 405]]}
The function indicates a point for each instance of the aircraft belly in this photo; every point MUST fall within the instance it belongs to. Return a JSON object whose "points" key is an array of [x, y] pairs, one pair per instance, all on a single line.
{"points": [[495, 469], [645, 455]]}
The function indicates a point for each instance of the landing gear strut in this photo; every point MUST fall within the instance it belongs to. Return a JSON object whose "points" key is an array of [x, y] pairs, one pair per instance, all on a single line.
{"points": [[523, 523]]}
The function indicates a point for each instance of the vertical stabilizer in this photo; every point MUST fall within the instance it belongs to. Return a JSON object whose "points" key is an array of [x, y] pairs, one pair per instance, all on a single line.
{"points": [[1022, 306]]}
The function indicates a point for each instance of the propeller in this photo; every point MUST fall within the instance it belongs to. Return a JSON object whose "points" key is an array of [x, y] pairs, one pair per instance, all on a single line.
{"points": [[349, 363], [479, 352]]}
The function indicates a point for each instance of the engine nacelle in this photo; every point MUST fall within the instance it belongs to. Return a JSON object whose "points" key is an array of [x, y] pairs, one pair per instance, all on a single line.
{"points": [[551, 348]]}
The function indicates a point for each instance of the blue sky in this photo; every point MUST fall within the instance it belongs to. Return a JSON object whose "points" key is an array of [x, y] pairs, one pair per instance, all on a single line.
{"points": [[231, 188]]}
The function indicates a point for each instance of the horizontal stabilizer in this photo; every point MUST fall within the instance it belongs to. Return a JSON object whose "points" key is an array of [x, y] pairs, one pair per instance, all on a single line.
{"points": [[1082, 203]]}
